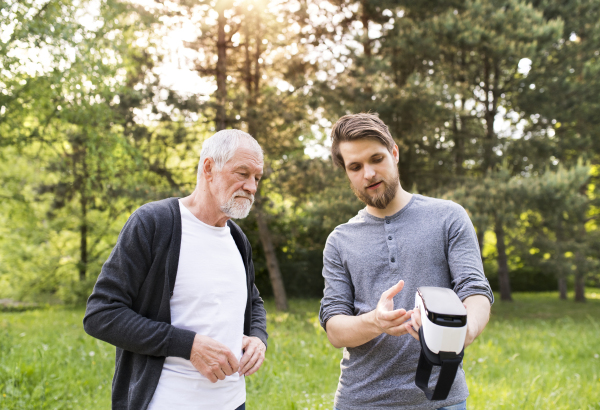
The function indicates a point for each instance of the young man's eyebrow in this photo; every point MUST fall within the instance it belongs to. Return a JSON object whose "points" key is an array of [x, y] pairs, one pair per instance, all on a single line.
{"points": [[372, 156]]}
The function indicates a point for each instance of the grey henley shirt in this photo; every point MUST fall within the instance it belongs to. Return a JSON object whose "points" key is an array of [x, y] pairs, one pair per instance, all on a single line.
{"points": [[429, 242]]}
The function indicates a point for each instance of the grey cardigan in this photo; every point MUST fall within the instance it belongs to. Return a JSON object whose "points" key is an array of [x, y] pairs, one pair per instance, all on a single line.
{"points": [[130, 308]]}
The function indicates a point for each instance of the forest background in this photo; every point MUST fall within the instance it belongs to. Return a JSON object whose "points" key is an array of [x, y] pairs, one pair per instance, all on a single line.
{"points": [[104, 105]]}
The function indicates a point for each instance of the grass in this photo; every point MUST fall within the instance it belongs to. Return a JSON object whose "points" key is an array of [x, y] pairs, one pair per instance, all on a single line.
{"points": [[536, 353]]}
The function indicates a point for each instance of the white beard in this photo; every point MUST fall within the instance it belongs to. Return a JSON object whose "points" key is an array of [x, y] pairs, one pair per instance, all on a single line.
{"points": [[238, 208]]}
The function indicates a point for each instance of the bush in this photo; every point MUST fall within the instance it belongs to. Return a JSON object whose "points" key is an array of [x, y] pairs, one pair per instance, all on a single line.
{"points": [[525, 279]]}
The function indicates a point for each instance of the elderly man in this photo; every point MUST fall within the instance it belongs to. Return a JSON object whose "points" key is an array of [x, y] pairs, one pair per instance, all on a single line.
{"points": [[177, 296], [377, 260]]}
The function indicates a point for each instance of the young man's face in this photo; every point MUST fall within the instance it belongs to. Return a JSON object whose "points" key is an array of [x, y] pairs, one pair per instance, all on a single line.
{"points": [[372, 171]]}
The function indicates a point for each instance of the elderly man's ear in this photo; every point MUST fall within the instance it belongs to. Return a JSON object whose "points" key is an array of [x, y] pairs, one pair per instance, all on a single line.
{"points": [[208, 168]]}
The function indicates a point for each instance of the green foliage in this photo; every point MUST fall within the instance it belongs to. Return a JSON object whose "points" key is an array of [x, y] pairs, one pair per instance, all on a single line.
{"points": [[88, 132], [523, 279]]}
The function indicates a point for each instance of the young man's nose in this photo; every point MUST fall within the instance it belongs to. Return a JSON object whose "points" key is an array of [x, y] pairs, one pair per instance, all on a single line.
{"points": [[369, 172]]}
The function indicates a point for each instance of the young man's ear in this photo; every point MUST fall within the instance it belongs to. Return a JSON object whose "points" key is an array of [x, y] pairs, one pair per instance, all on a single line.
{"points": [[396, 153]]}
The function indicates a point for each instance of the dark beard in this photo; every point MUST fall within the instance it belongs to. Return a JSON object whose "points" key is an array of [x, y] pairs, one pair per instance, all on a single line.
{"points": [[380, 201]]}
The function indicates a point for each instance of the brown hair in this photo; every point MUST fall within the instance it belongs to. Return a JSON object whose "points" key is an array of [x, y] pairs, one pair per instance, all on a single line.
{"points": [[355, 127]]}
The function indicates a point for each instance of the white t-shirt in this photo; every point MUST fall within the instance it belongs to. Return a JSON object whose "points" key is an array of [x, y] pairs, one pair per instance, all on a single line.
{"points": [[209, 298]]}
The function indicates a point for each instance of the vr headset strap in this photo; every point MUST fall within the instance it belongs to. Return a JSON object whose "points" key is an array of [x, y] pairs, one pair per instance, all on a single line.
{"points": [[449, 363]]}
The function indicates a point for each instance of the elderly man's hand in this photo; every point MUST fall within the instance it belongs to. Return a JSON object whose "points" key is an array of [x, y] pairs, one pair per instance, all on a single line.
{"points": [[254, 355], [387, 319], [213, 359]]}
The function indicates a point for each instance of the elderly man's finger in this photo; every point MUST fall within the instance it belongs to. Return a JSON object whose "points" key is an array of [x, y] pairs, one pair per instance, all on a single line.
{"points": [[226, 367], [249, 359], [233, 362], [256, 366], [204, 369], [250, 364], [219, 373]]}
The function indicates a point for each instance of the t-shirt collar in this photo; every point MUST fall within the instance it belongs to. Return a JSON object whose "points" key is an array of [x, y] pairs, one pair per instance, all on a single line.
{"points": [[363, 212]]}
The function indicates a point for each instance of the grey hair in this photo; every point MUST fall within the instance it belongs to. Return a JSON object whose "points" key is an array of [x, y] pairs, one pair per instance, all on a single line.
{"points": [[222, 146]]}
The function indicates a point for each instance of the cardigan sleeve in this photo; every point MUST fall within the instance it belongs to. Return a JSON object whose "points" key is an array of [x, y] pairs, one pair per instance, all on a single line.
{"points": [[110, 315], [258, 324]]}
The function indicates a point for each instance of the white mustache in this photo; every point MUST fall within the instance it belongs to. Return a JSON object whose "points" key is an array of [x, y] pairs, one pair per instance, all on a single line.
{"points": [[244, 194]]}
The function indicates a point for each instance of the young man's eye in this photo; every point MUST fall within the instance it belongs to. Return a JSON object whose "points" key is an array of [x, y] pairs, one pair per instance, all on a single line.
{"points": [[377, 159]]}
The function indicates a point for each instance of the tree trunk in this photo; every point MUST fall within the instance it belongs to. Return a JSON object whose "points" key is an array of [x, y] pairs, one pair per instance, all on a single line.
{"points": [[580, 277], [271, 257], [459, 146], [562, 287], [83, 227], [503, 279], [364, 18], [562, 277], [252, 86], [480, 238], [221, 70], [490, 115], [579, 287]]}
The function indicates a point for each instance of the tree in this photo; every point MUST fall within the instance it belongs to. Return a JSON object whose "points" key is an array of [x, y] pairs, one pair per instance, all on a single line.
{"points": [[559, 97], [73, 132], [492, 203], [564, 208]]}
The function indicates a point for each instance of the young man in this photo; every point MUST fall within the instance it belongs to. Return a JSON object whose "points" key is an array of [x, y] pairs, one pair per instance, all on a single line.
{"points": [[177, 295], [374, 264]]}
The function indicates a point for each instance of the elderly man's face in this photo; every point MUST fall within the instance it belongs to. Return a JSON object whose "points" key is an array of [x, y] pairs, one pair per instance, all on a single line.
{"points": [[237, 182]]}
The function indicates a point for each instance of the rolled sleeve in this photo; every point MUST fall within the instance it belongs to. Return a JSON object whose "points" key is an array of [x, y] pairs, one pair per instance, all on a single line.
{"points": [[464, 259], [338, 295]]}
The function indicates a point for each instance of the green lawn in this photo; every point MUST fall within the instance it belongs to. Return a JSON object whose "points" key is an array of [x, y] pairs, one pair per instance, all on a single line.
{"points": [[536, 353]]}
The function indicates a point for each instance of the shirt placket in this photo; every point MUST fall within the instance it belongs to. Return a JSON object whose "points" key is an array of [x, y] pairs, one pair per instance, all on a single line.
{"points": [[392, 244]]}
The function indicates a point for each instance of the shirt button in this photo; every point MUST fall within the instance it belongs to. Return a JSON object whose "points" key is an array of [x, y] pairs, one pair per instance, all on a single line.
{"points": [[389, 238], [387, 221], [393, 260]]}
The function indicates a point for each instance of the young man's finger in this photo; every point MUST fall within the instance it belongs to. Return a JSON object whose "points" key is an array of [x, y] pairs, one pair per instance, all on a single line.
{"points": [[394, 290], [392, 315], [411, 331], [401, 320]]}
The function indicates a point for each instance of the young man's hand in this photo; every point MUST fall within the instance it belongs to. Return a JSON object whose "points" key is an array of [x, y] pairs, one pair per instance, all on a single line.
{"points": [[212, 358], [387, 319], [478, 313], [414, 325]]}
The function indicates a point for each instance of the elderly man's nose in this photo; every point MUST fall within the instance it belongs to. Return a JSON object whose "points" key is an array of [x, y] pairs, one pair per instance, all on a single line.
{"points": [[251, 186]]}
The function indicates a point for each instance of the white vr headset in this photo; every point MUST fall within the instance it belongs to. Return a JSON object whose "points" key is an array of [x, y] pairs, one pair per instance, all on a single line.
{"points": [[442, 335]]}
